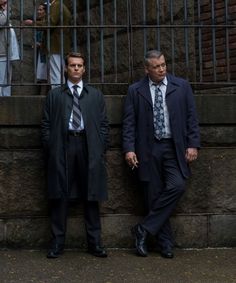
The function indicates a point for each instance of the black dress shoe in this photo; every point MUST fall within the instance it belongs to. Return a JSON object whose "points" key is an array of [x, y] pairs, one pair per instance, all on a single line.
{"points": [[140, 235], [167, 253], [55, 251], [97, 251]]}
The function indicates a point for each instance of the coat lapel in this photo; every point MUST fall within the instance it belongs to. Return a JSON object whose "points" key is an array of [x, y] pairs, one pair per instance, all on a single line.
{"points": [[68, 102], [144, 90], [83, 103], [171, 85]]}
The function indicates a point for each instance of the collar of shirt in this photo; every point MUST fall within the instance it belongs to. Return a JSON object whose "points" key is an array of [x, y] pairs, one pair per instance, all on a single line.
{"points": [[79, 89], [152, 87], [151, 83]]}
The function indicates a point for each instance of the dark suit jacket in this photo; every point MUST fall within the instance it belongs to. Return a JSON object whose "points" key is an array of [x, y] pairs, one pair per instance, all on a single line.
{"points": [[56, 115], [138, 132]]}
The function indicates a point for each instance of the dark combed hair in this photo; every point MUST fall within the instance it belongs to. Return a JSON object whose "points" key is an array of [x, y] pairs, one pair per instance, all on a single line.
{"points": [[74, 55]]}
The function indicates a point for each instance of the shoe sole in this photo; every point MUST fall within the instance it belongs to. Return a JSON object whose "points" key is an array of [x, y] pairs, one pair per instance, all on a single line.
{"points": [[54, 256], [168, 257], [97, 255]]}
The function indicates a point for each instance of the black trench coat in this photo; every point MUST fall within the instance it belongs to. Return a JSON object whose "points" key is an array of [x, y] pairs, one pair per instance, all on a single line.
{"points": [[55, 121]]}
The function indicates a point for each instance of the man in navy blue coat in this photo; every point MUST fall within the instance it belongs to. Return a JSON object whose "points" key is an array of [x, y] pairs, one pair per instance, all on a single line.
{"points": [[160, 139]]}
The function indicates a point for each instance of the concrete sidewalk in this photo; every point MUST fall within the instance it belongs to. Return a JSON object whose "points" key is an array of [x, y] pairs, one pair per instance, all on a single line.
{"points": [[207, 265]]}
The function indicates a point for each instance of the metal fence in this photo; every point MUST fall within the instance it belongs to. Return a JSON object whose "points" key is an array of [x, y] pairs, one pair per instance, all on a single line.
{"points": [[197, 37]]}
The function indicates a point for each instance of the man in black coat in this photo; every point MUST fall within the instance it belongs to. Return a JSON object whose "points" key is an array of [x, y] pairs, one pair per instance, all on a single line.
{"points": [[160, 139], [75, 137]]}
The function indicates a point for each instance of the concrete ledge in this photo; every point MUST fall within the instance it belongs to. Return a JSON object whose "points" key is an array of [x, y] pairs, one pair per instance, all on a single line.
{"points": [[216, 109], [190, 231], [21, 110], [225, 236], [27, 110], [24, 137]]}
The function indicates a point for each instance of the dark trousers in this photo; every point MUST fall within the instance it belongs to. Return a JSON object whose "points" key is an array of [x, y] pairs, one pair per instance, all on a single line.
{"points": [[59, 212], [77, 159], [163, 191]]}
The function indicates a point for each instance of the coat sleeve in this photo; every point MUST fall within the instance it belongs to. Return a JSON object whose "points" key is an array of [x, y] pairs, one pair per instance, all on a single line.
{"points": [[55, 14], [46, 123], [193, 134], [104, 125], [3, 18], [129, 122]]}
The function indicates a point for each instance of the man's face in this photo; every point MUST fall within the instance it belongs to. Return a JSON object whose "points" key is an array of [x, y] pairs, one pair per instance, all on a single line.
{"points": [[75, 69], [41, 12], [156, 69], [3, 4]]}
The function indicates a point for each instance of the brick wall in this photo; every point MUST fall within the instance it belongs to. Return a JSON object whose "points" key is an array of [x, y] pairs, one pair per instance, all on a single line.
{"points": [[216, 68]]}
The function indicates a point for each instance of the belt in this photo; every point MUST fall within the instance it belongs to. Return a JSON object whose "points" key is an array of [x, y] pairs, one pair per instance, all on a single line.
{"points": [[164, 140], [76, 133]]}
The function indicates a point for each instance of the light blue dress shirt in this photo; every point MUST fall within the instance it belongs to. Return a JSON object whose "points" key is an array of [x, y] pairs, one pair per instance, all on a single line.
{"points": [[163, 88]]}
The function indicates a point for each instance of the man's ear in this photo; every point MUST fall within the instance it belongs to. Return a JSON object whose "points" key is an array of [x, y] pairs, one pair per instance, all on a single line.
{"points": [[145, 69]]}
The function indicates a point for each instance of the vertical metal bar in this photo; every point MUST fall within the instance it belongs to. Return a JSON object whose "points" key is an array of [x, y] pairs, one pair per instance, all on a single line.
{"points": [[199, 40], [48, 41], [115, 39], [74, 23], [172, 37], [213, 39], [8, 44], [88, 41], [186, 39], [21, 38], [227, 41], [102, 41], [35, 41], [62, 40], [144, 29], [130, 39], [158, 31]]}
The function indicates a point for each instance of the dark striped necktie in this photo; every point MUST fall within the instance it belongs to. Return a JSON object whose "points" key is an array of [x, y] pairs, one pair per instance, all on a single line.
{"points": [[76, 121]]}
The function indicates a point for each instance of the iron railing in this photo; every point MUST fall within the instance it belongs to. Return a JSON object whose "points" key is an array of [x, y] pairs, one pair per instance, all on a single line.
{"points": [[198, 38]]}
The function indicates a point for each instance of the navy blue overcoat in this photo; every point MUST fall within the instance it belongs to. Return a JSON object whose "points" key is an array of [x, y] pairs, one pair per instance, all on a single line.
{"points": [[138, 131]]}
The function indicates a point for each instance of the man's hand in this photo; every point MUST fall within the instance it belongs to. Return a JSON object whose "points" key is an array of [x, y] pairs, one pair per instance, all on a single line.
{"points": [[131, 159], [28, 22], [191, 154]]}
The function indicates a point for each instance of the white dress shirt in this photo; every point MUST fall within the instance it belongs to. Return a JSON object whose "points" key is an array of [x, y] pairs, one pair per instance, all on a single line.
{"points": [[79, 90]]}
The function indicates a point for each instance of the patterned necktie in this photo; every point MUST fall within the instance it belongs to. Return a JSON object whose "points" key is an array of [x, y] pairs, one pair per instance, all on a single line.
{"points": [[158, 114], [76, 122]]}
